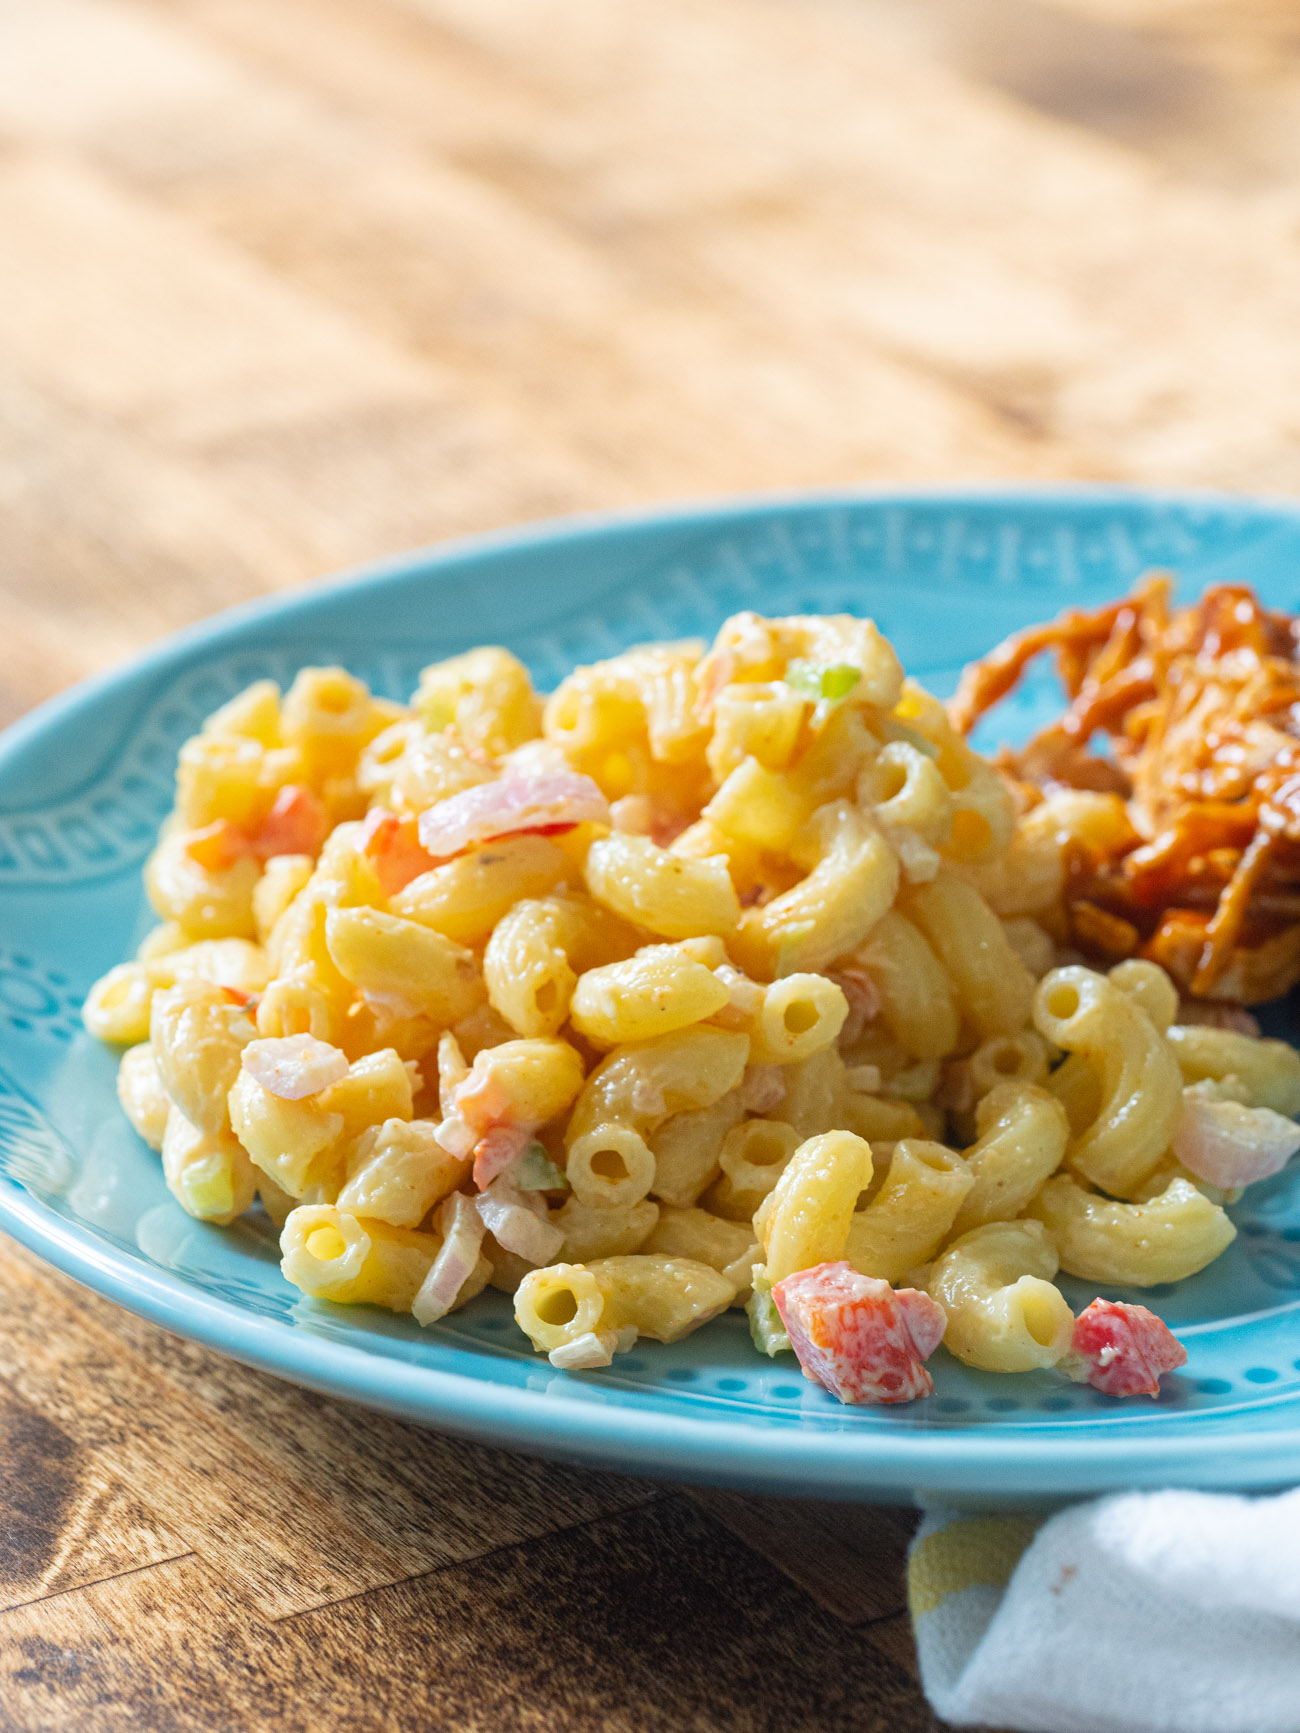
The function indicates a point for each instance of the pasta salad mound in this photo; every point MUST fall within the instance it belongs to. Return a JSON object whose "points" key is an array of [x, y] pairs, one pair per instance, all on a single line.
{"points": [[722, 976]]}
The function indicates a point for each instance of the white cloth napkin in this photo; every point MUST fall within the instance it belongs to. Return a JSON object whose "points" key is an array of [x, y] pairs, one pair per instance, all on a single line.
{"points": [[1157, 1612]]}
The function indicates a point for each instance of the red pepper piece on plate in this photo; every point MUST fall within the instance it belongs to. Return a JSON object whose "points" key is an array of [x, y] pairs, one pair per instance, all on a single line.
{"points": [[858, 1337], [1122, 1350], [296, 824]]}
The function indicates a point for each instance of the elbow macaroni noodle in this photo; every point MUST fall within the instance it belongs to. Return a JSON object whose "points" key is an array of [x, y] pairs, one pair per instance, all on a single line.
{"points": [[995, 1284], [742, 964]]}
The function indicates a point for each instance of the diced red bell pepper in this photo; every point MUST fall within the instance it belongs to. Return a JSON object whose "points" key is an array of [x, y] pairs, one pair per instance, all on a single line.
{"points": [[296, 824], [217, 846], [1122, 1350], [393, 847], [858, 1337]]}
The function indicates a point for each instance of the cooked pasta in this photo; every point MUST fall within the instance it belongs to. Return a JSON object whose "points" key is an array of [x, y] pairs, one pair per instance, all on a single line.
{"points": [[725, 977]]}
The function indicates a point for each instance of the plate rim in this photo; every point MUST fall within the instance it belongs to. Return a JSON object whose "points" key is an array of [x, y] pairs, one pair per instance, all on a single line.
{"points": [[708, 510], [838, 1464], [812, 1461]]}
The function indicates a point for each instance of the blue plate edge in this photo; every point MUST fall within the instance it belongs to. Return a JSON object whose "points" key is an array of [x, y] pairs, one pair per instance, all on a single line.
{"points": [[162, 655], [813, 1463], [836, 1465]]}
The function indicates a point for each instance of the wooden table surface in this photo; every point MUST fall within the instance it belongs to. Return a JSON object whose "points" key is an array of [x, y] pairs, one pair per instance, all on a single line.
{"points": [[287, 284]]}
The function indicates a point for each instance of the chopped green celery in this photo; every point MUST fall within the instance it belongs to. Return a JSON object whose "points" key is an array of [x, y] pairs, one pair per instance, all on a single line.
{"points": [[765, 1324], [839, 680], [821, 684], [537, 1172]]}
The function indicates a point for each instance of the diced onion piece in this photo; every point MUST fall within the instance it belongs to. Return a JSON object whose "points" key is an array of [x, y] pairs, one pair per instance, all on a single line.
{"points": [[294, 1066], [462, 1232], [389, 1007], [1231, 1145], [1121, 1350], [497, 1151], [452, 1069], [746, 996], [481, 1100], [456, 1137], [633, 814], [513, 803], [584, 1353], [864, 1001], [519, 1223], [762, 1088], [858, 1337]]}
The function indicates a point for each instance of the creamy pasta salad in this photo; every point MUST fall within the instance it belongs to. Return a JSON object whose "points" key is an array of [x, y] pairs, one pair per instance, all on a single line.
{"points": [[722, 976]]}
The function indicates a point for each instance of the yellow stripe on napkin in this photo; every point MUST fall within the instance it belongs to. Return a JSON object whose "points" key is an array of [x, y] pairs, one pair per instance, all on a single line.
{"points": [[970, 1550]]}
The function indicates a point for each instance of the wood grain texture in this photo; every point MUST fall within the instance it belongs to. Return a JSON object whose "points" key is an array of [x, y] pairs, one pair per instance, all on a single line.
{"points": [[305, 1501], [850, 1558], [291, 285], [645, 1622]]}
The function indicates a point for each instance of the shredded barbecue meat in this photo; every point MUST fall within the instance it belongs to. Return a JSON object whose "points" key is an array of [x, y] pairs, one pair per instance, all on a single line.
{"points": [[1198, 709]]}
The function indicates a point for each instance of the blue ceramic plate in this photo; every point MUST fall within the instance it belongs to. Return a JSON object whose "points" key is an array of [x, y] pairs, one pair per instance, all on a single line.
{"points": [[85, 781]]}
